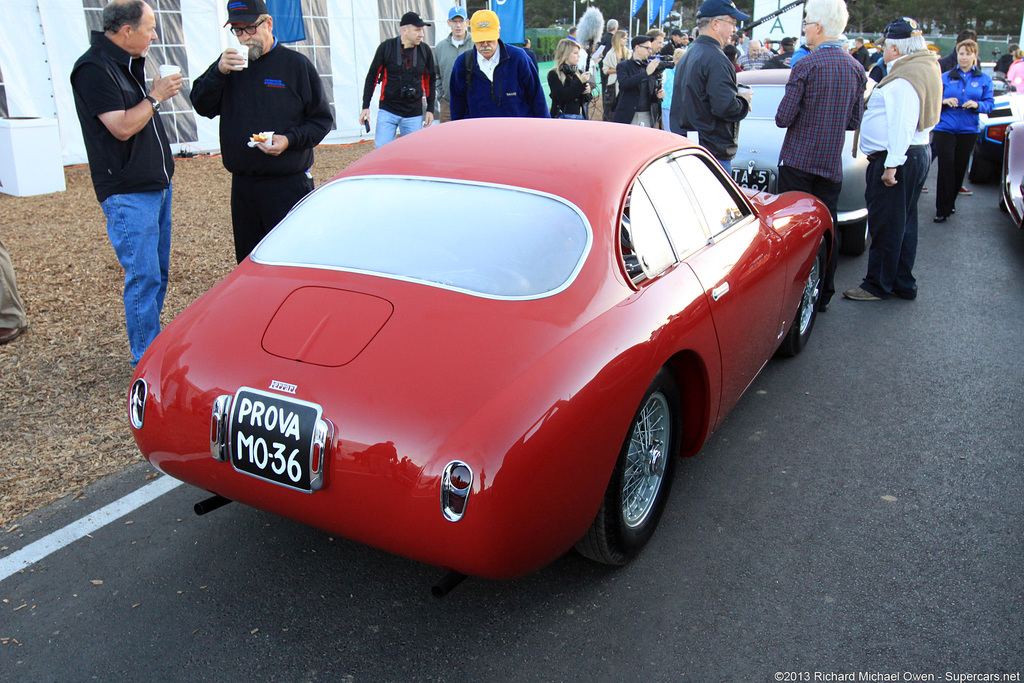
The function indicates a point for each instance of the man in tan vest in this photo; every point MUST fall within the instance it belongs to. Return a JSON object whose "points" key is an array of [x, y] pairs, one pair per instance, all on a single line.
{"points": [[898, 119]]}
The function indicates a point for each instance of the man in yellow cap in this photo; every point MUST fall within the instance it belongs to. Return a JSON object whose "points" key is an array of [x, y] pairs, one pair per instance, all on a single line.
{"points": [[494, 79]]}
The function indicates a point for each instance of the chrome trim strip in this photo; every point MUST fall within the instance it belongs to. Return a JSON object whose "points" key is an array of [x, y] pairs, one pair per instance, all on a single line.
{"points": [[850, 216]]}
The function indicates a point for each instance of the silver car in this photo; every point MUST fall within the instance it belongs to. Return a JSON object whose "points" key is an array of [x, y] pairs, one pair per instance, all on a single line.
{"points": [[757, 162]]}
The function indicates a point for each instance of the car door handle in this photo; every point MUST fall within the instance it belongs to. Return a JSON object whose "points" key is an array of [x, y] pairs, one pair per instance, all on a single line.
{"points": [[720, 291]]}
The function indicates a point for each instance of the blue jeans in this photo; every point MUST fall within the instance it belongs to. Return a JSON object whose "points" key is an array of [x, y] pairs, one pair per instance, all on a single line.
{"points": [[388, 124], [892, 223], [139, 228]]}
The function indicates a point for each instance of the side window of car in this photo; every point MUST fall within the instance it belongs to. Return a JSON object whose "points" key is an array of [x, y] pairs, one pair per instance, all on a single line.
{"points": [[646, 250], [662, 183], [720, 208]]}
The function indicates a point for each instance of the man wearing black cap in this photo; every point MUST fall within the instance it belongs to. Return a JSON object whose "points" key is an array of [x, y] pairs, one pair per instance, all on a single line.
{"points": [[404, 67], [705, 97], [639, 93], [275, 90], [898, 118], [782, 60], [675, 41]]}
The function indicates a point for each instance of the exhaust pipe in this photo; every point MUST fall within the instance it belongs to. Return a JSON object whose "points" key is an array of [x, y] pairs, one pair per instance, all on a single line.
{"points": [[447, 584], [210, 504]]}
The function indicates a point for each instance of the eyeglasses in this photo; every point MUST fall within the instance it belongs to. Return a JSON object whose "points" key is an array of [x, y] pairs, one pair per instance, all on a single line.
{"points": [[811, 23], [731, 23], [247, 30]]}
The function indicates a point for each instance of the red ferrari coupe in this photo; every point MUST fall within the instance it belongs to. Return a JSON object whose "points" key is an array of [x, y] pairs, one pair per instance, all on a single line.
{"points": [[486, 343]]}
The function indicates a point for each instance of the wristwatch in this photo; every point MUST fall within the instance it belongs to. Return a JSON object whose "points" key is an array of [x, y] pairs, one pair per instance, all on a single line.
{"points": [[154, 102]]}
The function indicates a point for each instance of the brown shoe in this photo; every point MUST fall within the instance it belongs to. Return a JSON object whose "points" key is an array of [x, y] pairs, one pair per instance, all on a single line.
{"points": [[9, 334], [860, 294]]}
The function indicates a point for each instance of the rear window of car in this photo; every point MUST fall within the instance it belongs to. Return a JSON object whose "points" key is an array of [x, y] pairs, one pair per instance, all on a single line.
{"points": [[489, 240]]}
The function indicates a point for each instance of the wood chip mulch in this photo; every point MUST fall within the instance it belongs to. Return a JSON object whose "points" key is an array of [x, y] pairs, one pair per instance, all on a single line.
{"points": [[64, 384]]}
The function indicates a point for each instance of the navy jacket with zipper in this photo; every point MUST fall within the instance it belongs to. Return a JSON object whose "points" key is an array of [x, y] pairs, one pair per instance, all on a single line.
{"points": [[515, 91], [105, 79]]}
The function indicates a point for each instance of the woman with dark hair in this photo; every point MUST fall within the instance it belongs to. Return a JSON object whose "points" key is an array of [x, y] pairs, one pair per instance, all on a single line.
{"points": [[733, 53], [966, 92], [570, 87]]}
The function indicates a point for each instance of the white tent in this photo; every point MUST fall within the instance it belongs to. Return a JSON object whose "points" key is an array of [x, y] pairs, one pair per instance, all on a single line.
{"points": [[40, 40]]}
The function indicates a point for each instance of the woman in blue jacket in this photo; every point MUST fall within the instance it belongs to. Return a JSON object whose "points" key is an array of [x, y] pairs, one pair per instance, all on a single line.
{"points": [[966, 92]]}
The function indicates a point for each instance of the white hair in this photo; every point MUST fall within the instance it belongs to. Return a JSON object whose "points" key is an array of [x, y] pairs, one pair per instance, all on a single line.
{"points": [[832, 15], [613, 25], [909, 45]]}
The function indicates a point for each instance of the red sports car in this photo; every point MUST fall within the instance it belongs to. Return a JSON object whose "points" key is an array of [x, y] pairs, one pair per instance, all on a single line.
{"points": [[486, 343]]}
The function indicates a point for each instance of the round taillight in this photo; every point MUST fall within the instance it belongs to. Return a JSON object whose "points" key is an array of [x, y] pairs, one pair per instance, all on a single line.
{"points": [[461, 477]]}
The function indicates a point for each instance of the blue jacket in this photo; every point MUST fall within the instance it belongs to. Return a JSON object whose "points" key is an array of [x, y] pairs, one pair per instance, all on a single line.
{"points": [[974, 85], [516, 90]]}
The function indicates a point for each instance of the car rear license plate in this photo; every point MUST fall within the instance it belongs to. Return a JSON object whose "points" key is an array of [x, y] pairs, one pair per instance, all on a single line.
{"points": [[757, 179], [276, 438]]}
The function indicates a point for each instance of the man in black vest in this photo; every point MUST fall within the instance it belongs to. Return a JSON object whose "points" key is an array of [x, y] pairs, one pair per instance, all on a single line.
{"points": [[129, 158]]}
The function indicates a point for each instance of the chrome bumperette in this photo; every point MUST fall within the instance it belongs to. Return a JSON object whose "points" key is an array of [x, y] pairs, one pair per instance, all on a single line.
{"points": [[219, 427], [456, 485], [137, 403], [323, 434]]}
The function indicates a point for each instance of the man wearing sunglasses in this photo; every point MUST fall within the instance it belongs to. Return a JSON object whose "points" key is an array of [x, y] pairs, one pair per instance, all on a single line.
{"points": [[277, 90], [705, 97]]}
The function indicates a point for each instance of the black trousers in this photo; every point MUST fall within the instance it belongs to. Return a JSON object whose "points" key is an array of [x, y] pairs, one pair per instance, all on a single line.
{"points": [[953, 153], [258, 203], [828, 192]]}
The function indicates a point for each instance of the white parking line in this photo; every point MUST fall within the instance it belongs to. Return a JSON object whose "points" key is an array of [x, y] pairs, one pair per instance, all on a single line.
{"points": [[36, 551]]}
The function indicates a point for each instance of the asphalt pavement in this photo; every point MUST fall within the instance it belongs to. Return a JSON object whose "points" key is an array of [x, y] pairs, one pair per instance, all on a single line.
{"points": [[859, 514]]}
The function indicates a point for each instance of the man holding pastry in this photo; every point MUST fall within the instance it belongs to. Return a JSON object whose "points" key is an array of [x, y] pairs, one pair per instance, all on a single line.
{"points": [[273, 112]]}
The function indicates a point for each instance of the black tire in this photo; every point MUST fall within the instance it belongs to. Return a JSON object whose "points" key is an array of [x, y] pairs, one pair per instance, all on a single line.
{"points": [[853, 238], [807, 309], [981, 171], [641, 480]]}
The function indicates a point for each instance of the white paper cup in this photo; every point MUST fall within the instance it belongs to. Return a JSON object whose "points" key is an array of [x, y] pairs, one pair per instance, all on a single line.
{"points": [[169, 70], [243, 50]]}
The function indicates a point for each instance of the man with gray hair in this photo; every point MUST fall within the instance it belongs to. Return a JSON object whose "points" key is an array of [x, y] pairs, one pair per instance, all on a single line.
{"points": [[900, 115], [129, 157], [445, 53], [824, 99], [705, 97]]}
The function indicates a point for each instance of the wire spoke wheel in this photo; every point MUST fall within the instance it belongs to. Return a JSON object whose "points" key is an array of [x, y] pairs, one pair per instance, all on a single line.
{"points": [[642, 477], [645, 460]]}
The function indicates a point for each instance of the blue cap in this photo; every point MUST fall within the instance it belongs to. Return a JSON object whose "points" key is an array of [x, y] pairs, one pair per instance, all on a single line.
{"points": [[719, 8], [457, 12], [902, 28]]}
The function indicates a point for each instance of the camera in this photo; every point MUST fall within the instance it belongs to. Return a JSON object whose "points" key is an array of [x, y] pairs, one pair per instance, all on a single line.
{"points": [[409, 93]]}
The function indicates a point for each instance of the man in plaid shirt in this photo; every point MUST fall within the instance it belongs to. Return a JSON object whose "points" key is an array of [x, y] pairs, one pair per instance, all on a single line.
{"points": [[824, 99]]}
